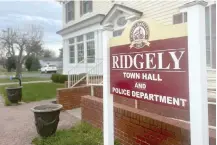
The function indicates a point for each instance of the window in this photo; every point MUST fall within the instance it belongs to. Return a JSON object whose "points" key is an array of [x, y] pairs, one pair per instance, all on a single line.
{"points": [[71, 40], [71, 50], [86, 6], [72, 53], [90, 47], [69, 11], [180, 18], [210, 20], [80, 48]]}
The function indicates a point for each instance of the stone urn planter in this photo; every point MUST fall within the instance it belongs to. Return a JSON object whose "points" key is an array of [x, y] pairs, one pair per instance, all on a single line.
{"points": [[14, 94], [47, 118]]}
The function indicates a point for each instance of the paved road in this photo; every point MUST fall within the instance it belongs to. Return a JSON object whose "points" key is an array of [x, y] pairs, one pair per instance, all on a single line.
{"points": [[17, 123], [38, 75]]}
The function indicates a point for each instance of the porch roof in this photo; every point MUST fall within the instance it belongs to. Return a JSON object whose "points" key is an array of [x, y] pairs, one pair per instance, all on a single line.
{"points": [[121, 8], [82, 24]]}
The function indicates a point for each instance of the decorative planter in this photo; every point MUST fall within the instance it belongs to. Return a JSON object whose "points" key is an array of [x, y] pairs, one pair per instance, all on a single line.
{"points": [[14, 94], [47, 118]]}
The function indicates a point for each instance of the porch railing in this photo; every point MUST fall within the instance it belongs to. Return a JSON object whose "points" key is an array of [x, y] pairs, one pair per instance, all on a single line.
{"points": [[73, 75], [95, 74], [92, 72]]}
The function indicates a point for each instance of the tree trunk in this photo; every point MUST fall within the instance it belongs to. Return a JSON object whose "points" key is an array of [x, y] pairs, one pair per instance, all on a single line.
{"points": [[18, 69]]}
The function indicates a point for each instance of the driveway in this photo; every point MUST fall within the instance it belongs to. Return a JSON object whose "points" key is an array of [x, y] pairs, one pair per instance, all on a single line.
{"points": [[17, 123]]}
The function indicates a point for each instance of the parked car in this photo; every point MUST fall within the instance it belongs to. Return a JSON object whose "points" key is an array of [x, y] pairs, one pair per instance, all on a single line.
{"points": [[49, 68]]}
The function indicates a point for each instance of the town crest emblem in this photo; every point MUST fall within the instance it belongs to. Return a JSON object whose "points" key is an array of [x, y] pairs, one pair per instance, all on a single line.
{"points": [[139, 35]]}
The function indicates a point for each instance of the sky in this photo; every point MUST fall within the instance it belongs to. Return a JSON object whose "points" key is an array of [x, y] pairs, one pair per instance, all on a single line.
{"points": [[46, 13]]}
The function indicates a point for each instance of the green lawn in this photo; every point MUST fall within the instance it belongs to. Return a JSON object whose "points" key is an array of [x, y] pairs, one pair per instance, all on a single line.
{"points": [[2, 70], [81, 134], [35, 91], [26, 79]]}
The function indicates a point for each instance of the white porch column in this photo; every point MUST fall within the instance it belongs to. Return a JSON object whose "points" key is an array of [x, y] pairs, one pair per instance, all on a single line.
{"points": [[108, 117], [197, 72], [66, 56]]}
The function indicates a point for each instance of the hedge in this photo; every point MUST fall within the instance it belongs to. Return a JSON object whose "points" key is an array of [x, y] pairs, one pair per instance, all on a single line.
{"points": [[59, 78]]}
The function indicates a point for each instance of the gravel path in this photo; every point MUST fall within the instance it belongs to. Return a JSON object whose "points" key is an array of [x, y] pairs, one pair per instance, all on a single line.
{"points": [[17, 123]]}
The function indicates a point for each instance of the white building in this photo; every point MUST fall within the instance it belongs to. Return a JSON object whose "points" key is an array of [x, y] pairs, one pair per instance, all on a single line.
{"points": [[83, 20]]}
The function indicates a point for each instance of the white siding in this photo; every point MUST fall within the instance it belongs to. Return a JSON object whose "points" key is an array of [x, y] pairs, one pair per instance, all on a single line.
{"points": [[160, 10], [99, 7], [102, 7]]}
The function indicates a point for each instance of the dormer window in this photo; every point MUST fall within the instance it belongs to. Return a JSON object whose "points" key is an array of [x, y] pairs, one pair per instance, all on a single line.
{"points": [[86, 6], [70, 15]]}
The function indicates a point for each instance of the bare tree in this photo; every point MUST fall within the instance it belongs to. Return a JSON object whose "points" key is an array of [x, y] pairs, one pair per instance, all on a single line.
{"points": [[20, 44], [48, 53], [2, 55]]}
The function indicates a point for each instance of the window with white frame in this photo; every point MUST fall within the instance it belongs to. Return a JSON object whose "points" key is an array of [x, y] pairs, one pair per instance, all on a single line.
{"points": [[86, 6], [180, 18], [210, 20], [80, 48], [69, 7], [71, 50], [90, 41]]}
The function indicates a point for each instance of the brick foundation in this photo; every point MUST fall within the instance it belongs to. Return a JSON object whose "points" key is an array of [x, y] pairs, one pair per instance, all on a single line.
{"points": [[159, 109], [98, 91], [139, 127], [71, 97]]}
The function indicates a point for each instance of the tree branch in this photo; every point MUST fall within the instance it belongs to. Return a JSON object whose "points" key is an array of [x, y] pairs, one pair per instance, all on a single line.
{"points": [[26, 41]]}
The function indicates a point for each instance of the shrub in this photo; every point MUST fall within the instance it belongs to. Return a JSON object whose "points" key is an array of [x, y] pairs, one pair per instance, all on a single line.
{"points": [[35, 64], [28, 62], [55, 78], [63, 78], [32, 63], [59, 78]]}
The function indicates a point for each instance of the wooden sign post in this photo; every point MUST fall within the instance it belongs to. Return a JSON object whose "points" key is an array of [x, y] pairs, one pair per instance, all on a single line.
{"points": [[197, 72], [161, 64], [108, 118]]}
